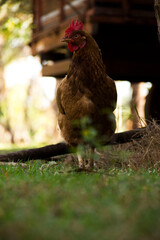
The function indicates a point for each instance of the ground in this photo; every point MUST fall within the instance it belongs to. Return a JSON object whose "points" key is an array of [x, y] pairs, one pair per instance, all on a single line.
{"points": [[120, 199], [114, 204]]}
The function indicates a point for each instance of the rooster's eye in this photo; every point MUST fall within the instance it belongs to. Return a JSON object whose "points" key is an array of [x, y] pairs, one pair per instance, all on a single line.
{"points": [[76, 36]]}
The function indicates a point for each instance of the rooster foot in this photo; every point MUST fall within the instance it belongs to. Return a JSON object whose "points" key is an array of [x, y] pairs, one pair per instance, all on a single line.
{"points": [[83, 166]]}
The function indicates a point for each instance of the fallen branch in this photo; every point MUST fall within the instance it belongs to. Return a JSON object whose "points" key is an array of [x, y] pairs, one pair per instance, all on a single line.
{"points": [[63, 148], [36, 153]]}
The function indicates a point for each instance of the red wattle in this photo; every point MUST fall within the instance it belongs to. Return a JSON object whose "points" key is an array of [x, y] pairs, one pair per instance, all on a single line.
{"points": [[72, 47]]}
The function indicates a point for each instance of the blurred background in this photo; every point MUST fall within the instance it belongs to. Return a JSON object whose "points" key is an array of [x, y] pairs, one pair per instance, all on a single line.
{"points": [[33, 61]]}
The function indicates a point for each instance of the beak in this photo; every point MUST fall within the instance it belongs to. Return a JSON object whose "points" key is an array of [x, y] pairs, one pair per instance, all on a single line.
{"points": [[65, 39]]}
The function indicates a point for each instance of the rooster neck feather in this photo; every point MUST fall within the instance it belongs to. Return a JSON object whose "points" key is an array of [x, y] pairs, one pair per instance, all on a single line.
{"points": [[87, 63]]}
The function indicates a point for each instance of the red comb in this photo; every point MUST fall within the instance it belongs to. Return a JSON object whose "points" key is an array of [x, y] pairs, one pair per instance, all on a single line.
{"points": [[74, 26]]}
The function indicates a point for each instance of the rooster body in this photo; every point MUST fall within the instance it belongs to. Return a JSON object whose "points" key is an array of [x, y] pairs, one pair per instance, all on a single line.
{"points": [[86, 91]]}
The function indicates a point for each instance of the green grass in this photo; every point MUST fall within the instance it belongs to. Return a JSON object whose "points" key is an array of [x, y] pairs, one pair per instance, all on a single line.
{"points": [[49, 203]]}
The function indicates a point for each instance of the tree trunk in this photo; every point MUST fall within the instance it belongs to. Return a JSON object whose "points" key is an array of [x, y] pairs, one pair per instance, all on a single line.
{"points": [[138, 105]]}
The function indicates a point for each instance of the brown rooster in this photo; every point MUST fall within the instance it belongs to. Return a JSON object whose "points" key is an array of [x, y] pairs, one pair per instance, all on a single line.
{"points": [[86, 92]]}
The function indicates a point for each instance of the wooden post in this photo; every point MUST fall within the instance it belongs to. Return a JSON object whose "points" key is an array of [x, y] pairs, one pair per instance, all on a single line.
{"points": [[157, 13], [87, 2], [90, 3], [126, 7], [37, 5], [62, 12]]}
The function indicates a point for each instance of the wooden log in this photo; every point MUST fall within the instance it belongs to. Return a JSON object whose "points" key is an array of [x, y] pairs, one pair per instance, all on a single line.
{"points": [[63, 148], [36, 153]]}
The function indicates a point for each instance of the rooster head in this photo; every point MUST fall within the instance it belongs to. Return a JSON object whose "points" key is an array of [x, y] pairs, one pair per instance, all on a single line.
{"points": [[74, 36]]}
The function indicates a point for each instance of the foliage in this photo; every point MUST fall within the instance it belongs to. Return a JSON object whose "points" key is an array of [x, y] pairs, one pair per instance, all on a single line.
{"points": [[15, 33], [15, 28], [23, 114]]}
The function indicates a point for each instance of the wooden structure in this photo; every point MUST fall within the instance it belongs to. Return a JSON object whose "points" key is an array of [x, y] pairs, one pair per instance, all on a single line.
{"points": [[126, 31]]}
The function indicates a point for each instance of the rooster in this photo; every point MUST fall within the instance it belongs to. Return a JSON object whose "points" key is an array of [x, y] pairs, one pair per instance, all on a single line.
{"points": [[86, 92]]}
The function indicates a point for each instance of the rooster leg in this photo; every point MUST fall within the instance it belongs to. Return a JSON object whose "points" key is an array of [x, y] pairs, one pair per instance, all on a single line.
{"points": [[80, 161], [90, 156]]}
